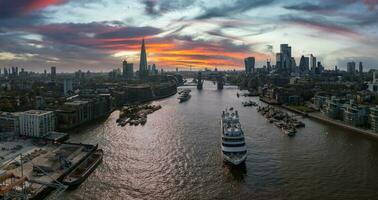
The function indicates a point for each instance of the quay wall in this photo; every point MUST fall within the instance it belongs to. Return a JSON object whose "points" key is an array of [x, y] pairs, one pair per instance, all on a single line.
{"points": [[320, 117]]}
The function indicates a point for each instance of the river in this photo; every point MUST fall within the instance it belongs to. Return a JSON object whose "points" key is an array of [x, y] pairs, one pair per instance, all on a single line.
{"points": [[176, 155]]}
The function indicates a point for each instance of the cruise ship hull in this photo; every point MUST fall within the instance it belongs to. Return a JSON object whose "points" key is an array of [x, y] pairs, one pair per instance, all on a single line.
{"points": [[235, 161]]}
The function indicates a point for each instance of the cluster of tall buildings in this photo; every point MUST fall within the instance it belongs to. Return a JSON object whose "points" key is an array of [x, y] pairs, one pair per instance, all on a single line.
{"points": [[144, 69], [14, 72], [310, 65], [285, 63], [351, 67]]}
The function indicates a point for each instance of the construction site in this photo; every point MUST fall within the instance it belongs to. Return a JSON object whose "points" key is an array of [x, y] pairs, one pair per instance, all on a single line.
{"points": [[34, 169]]}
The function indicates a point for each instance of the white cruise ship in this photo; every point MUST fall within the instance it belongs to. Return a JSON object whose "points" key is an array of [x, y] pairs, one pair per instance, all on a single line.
{"points": [[234, 149]]}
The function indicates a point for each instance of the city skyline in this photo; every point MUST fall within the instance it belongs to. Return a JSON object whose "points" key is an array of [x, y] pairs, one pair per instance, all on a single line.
{"points": [[97, 36]]}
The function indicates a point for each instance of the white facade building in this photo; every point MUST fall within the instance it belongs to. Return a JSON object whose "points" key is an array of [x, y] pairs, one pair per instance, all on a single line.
{"points": [[373, 86], [37, 123]]}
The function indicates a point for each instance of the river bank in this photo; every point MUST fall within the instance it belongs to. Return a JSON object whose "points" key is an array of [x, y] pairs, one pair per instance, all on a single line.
{"points": [[321, 117]]}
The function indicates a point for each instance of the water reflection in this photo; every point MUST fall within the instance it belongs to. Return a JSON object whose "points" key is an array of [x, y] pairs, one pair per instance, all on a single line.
{"points": [[236, 172]]}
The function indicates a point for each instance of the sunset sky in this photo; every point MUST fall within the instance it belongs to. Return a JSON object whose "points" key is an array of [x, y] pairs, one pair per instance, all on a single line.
{"points": [[98, 35]]}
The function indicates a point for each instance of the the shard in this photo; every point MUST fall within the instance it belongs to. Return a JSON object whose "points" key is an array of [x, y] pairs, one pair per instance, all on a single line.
{"points": [[143, 61]]}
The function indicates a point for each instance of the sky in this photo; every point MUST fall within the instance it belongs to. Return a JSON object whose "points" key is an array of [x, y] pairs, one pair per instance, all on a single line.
{"points": [[99, 35]]}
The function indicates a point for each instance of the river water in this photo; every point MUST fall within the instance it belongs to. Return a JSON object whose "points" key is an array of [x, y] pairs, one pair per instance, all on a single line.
{"points": [[176, 155]]}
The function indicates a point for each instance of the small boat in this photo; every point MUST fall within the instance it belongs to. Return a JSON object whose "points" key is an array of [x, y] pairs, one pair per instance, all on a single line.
{"points": [[299, 124], [83, 170], [184, 96], [143, 120], [249, 103], [289, 131], [184, 90]]}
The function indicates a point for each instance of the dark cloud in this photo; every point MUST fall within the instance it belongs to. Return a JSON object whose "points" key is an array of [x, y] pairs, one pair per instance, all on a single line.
{"points": [[237, 7], [16, 8], [91, 35], [330, 6], [314, 7], [322, 24], [337, 8], [269, 48], [127, 32]]}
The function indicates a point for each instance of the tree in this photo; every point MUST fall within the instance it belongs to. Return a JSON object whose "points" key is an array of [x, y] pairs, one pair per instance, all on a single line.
{"points": [[6, 106]]}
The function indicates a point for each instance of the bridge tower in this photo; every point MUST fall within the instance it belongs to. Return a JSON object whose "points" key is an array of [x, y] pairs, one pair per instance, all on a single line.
{"points": [[199, 81]]}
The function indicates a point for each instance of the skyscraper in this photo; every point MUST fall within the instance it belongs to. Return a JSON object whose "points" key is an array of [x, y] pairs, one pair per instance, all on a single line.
{"points": [[127, 70], [351, 67], [360, 68], [304, 64], [53, 73], [278, 61], [143, 61], [249, 64], [312, 63], [285, 50], [268, 65]]}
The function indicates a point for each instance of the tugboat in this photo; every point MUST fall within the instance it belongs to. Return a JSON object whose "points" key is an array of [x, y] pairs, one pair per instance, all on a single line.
{"points": [[83, 170], [234, 150]]}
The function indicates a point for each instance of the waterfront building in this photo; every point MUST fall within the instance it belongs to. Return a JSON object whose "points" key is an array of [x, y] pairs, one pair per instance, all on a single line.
{"points": [[37, 123], [374, 118], [9, 122], [333, 108], [74, 113], [351, 67], [77, 112], [249, 64], [84, 109], [143, 71], [319, 101], [355, 115], [67, 87], [127, 70]]}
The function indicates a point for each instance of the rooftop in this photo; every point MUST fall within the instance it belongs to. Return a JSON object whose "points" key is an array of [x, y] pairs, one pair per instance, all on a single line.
{"points": [[37, 112], [76, 103]]}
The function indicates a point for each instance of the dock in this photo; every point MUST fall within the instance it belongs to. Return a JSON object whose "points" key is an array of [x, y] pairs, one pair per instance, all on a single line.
{"points": [[40, 166]]}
